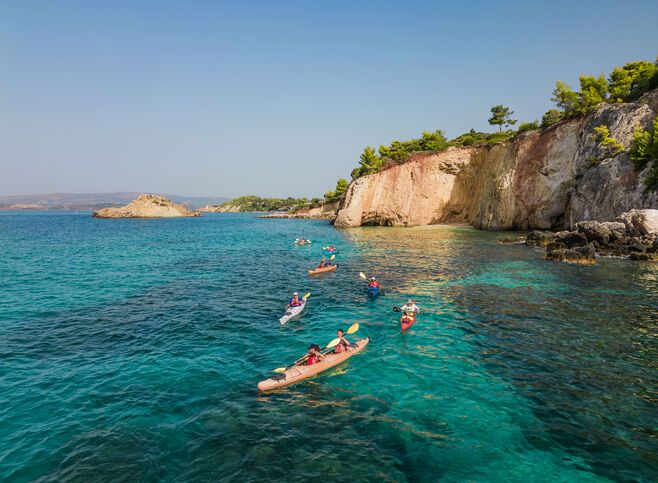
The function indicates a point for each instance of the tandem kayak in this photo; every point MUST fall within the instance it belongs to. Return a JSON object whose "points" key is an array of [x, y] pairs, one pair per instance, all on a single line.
{"points": [[301, 372], [407, 320], [292, 313], [373, 291], [322, 270]]}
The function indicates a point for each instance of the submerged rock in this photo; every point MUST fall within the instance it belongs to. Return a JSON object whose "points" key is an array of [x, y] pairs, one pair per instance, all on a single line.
{"points": [[147, 206], [644, 257], [582, 255]]}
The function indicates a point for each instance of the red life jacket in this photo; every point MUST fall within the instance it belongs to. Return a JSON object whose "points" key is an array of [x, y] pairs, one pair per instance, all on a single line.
{"points": [[311, 360]]}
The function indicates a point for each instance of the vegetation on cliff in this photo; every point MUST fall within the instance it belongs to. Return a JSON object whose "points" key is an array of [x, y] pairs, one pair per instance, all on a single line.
{"points": [[645, 149], [256, 203], [623, 84]]}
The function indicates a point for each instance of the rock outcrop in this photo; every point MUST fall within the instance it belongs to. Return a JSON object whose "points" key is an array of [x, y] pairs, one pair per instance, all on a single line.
{"points": [[147, 206], [326, 211], [634, 234], [547, 179]]}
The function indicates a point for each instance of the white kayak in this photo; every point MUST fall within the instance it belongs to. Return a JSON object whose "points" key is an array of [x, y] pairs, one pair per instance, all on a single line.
{"points": [[292, 313]]}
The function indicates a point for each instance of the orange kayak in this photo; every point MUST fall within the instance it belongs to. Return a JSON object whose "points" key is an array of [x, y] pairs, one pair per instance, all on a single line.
{"points": [[407, 320], [299, 373], [322, 270]]}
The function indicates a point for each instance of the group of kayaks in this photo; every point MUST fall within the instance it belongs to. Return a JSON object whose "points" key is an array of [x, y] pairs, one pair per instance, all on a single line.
{"points": [[299, 370]]}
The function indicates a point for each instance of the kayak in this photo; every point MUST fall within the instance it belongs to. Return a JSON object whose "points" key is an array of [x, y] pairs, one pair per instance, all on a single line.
{"points": [[373, 291], [322, 270], [305, 242], [292, 313], [406, 322], [301, 372]]}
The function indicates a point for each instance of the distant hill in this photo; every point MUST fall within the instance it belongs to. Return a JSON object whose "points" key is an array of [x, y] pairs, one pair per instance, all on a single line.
{"points": [[93, 201]]}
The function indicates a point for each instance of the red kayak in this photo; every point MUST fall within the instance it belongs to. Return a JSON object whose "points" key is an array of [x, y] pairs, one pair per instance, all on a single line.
{"points": [[407, 320]]}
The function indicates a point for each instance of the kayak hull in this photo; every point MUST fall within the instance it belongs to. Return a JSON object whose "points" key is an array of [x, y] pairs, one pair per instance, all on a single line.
{"points": [[373, 291], [318, 271], [299, 373], [406, 323], [292, 313]]}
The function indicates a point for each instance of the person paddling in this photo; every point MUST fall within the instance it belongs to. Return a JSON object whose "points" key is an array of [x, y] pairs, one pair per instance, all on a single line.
{"points": [[343, 345], [410, 307], [314, 355], [295, 301], [324, 263], [373, 283]]}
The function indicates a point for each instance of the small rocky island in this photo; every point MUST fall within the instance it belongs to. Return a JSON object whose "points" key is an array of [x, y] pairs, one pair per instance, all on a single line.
{"points": [[147, 206], [634, 235]]}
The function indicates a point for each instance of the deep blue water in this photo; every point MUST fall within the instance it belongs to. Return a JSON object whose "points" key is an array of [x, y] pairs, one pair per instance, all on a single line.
{"points": [[131, 349]]}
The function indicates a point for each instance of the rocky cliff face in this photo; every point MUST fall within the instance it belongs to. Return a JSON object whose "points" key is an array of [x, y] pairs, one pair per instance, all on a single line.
{"points": [[220, 209], [549, 179], [147, 206]]}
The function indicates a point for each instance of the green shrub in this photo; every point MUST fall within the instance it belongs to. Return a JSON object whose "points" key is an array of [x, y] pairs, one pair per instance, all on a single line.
{"points": [[528, 126], [609, 145], [645, 149], [550, 117]]}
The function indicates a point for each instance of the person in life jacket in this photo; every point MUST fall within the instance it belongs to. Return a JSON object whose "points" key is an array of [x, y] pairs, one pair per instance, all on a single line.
{"points": [[410, 307], [314, 355], [373, 283], [295, 301], [343, 345], [324, 263]]}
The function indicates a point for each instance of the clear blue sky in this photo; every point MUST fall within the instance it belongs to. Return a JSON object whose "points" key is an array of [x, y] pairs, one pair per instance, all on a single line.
{"points": [[275, 98]]}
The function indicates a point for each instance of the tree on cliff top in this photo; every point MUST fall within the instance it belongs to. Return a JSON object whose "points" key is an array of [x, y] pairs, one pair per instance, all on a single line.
{"points": [[341, 188], [501, 115]]}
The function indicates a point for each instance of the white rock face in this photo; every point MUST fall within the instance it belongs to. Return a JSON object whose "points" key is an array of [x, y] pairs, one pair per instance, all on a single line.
{"points": [[548, 179], [645, 222]]}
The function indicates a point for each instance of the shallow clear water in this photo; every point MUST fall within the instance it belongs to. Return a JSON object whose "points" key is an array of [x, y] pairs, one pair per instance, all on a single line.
{"points": [[131, 349]]}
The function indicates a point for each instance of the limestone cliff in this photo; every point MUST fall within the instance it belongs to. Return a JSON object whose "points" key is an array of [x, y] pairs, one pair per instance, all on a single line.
{"points": [[147, 206], [548, 178]]}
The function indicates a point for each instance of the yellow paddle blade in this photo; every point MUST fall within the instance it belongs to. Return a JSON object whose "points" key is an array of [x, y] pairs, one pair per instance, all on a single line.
{"points": [[332, 257], [353, 329], [306, 296], [362, 275], [279, 370], [333, 343]]}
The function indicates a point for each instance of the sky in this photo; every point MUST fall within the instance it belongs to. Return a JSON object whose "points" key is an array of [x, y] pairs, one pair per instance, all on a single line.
{"points": [[203, 98]]}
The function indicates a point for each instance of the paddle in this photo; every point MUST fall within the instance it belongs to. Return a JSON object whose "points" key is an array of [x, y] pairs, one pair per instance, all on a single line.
{"points": [[353, 328], [398, 309], [363, 276]]}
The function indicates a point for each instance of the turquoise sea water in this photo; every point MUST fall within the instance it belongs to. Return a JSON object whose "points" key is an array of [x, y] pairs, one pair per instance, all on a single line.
{"points": [[131, 349]]}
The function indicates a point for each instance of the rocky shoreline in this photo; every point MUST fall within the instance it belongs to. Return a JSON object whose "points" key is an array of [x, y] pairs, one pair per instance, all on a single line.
{"points": [[633, 235]]}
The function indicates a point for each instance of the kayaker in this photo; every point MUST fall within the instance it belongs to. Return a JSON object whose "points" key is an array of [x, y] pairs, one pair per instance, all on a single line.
{"points": [[373, 283], [295, 301], [314, 355], [324, 263], [410, 306], [343, 344]]}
